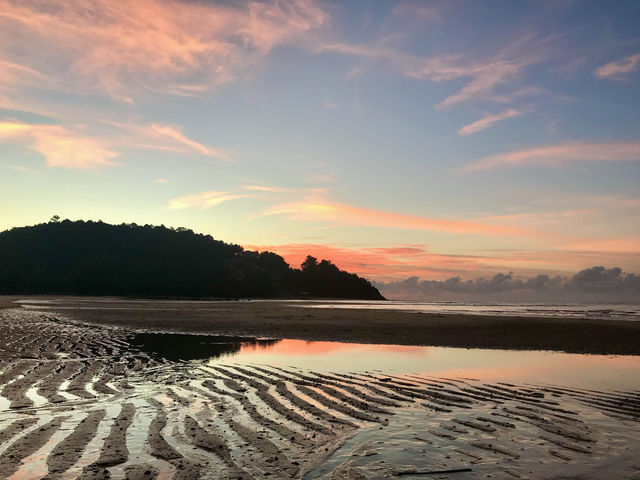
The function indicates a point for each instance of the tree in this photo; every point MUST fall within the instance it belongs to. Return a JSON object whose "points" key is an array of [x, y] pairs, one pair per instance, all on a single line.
{"points": [[309, 264], [95, 258]]}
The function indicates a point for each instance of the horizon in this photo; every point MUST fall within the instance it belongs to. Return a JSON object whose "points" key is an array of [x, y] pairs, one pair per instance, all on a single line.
{"points": [[397, 140], [595, 284]]}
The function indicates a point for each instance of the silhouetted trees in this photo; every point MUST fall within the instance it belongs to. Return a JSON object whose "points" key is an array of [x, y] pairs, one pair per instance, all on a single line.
{"points": [[96, 258]]}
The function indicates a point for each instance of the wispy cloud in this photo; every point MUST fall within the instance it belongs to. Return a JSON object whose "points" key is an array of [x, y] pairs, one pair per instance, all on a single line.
{"points": [[212, 198], [487, 121], [485, 74], [60, 146], [158, 45], [264, 188], [202, 200], [325, 211], [70, 146], [156, 136], [556, 155], [619, 67], [174, 132]]}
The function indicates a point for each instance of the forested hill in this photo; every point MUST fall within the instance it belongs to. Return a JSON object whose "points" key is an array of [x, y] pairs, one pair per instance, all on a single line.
{"points": [[96, 258]]}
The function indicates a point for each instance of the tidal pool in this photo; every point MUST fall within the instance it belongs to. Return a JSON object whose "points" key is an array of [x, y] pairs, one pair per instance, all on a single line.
{"points": [[588, 371], [592, 371]]}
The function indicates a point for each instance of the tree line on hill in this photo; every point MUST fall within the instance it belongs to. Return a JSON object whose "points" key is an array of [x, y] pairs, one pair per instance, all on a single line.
{"points": [[96, 258]]}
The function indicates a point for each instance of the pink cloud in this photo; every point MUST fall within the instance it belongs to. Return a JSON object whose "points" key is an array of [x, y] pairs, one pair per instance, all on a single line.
{"points": [[400, 262], [392, 263], [488, 121], [556, 155], [377, 262], [325, 211], [174, 132], [60, 146], [166, 138], [157, 45], [619, 67]]}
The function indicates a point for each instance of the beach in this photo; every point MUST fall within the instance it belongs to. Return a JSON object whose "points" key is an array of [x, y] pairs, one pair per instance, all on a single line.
{"points": [[85, 393], [283, 319]]}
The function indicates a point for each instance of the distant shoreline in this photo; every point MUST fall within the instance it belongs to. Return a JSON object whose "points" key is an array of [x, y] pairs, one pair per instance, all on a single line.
{"points": [[278, 320]]}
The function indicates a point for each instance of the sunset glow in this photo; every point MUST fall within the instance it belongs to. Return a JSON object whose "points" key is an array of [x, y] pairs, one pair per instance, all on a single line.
{"points": [[396, 139]]}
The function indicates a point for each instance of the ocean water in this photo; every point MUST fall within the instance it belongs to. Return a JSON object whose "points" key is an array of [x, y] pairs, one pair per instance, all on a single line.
{"points": [[602, 311], [616, 311]]}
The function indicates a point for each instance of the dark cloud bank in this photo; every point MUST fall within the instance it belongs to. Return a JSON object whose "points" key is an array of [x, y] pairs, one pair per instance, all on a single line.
{"points": [[595, 284]]}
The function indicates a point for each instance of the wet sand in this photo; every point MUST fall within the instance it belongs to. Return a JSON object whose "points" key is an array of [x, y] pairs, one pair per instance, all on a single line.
{"points": [[80, 401], [285, 320], [7, 301]]}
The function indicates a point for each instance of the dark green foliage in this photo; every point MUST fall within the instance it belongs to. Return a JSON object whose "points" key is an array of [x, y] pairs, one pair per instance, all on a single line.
{"points": [[96, 258]]}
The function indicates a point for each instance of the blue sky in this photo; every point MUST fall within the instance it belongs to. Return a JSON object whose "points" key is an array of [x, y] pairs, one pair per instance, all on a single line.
{"points": [[396, 138]]}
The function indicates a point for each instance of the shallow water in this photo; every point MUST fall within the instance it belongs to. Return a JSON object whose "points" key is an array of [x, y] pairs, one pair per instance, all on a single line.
{"points": [[539, 367], [592, 371], [615, 311], [602, 311], [412, 442]]}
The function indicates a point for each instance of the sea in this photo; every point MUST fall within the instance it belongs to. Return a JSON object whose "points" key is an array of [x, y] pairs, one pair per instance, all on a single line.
{"points": [[600, 311]]}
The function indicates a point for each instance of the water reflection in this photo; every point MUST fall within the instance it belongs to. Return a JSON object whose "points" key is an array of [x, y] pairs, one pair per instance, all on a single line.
{"points": [[591, 371], [174, 347]]}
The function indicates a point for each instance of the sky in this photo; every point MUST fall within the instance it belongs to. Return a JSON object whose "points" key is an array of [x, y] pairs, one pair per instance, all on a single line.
{"points": [[398, 139]]}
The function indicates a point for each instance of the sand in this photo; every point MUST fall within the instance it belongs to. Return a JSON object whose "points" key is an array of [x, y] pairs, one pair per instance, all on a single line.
{"points": [[77, 400], [282, 320], [7, 301]]}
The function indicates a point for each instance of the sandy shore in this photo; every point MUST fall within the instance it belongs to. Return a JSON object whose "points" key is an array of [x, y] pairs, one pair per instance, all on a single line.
{"points": [[282, 320], [80, 401], [7, 302]]}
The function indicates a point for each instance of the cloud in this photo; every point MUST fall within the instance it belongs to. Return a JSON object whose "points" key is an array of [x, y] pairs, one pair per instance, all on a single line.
{"points": [[174, 132], [484, 79], [594, 280], [379, 262], [556, 155], [619, 67], [488, 121], [71, 147], [325, 211], [157, 45], [155, 136], [60, 146], [601, 279], [485, 74], [202, 200], [14, 73], [212, 198], [160, 180], [264, 188], [394, 264]]}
